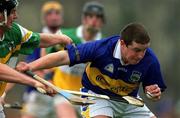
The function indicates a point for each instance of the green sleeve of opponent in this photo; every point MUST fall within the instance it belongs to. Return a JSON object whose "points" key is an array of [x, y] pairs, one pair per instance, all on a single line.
{"points": [[32, 43], [50, 50], [24, 37]]}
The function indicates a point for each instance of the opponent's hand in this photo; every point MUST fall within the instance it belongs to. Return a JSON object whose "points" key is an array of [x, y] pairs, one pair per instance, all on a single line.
{"points": [[66, 39], [154, 92], [22, 67], [45, 89]]}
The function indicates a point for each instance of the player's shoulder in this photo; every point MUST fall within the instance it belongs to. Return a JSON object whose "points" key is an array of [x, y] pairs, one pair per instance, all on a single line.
{"points": [[150, 56], [14, 32], [15, 27], [108, 41], [104, 47]]}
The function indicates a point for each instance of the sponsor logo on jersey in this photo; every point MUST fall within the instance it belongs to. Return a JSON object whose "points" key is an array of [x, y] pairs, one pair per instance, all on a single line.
{"points": [[109, 68], [122, 69]]}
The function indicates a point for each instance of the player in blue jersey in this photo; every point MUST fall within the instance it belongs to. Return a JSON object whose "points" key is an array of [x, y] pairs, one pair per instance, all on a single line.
{"points": [[118, 65]]}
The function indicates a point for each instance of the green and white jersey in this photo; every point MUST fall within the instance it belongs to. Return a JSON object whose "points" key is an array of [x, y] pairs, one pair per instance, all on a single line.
{"points": [[14, 41], [17, 40]]}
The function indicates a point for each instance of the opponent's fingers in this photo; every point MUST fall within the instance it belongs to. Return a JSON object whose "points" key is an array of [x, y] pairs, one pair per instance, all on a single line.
{"points": [[157, 94], [50, 91], [157, 90], [151, 87], [22, 66], [154, 94], [47, 91], [51, 94], [67, 40]]}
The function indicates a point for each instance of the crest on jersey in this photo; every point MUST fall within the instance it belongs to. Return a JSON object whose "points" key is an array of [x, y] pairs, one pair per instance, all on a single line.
{"points": [[135, 76], [109, 68]]}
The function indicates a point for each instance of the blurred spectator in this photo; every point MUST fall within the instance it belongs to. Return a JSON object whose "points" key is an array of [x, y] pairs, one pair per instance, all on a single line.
{"points": [[36, 104], [92, 21]]}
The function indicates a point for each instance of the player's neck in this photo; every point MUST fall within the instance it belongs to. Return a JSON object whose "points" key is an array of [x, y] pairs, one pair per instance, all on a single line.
{"points": [[53, 29]]}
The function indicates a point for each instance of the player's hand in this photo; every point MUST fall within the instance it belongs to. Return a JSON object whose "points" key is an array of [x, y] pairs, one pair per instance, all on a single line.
{"points": [[44, 89], [154, 92], [66, 39], [22, 67]]}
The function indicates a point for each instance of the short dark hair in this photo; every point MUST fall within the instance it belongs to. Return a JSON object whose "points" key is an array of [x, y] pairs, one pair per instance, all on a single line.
{"points": [[8, 5], [94, 8], [135, 32]]}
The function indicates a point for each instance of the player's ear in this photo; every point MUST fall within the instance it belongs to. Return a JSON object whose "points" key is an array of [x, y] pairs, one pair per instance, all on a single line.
{"points": [[122, 42]]}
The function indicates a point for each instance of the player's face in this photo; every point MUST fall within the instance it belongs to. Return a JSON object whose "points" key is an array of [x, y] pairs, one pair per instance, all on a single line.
{"points": [[53, 19], [11, 17], [93, 22], [133, 53]]}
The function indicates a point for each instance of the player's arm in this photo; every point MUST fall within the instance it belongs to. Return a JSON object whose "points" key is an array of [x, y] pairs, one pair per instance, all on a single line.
{"points": [[47, 40], [153, 83], [10, 75], [44, 40], [71, 56], [46, 62]]}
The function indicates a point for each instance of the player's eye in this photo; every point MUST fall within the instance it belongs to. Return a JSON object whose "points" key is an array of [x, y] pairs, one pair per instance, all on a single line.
{"points": [[137, 50]]}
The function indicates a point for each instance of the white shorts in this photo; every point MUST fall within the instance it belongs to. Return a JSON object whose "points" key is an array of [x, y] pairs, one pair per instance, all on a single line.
{"points": [[39, 106], [2, 115], [115, 109], [59, 99]]}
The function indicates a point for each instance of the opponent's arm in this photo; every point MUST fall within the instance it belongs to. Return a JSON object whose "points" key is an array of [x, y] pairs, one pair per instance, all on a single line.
{"points": [[10, 75], [46, 62], [52, 39]]}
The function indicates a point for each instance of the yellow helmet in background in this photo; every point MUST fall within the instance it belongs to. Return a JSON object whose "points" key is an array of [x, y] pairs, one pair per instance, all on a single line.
{"points": [[51, 5]]}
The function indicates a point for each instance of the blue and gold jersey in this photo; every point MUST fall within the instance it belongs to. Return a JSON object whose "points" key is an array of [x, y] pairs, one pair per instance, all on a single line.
{"points": [[106, 75]]}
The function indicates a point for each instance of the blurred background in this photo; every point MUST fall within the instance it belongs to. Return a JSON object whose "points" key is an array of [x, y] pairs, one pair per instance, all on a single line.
{"points": [[161, 19]]}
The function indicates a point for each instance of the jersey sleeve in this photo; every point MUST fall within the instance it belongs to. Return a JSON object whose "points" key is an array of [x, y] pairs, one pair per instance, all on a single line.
{"points": [[81, 53], [49, 50], [29, 40], [154, 76]]}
